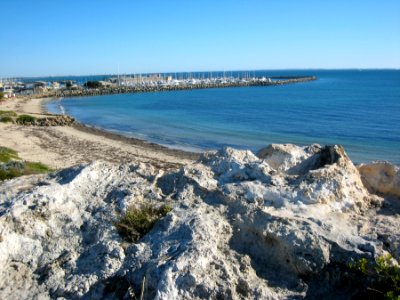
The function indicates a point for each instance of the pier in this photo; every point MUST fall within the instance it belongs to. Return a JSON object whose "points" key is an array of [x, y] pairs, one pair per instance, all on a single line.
{"points": [[140, 84], [191, 84]]}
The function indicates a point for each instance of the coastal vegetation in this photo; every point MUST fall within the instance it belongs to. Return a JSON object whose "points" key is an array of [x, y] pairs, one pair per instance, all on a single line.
{"points": [[93, 84], [25, 119], [11, 165], [6, 119], [136, 222], [7, 154], [7, 116], [380, 277]]}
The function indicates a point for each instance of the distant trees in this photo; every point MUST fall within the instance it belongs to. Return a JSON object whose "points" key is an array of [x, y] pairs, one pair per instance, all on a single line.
{"points": [[93, 84]]}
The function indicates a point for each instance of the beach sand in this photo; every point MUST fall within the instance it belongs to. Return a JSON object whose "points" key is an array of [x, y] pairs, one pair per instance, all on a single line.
{"points": [[65, 146]]}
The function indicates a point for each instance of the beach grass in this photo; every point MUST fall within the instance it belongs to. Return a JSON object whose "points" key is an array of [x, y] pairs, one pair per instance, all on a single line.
{"points": [[6, 119], [8, 113], [36, 168], [7, 116], [11, 165], [7, 154]]}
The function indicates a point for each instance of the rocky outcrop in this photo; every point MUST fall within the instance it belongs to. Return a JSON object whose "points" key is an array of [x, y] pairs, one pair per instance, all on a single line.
{"points": [[51, 120], [57, 120], [381, 177], [283, 224]]}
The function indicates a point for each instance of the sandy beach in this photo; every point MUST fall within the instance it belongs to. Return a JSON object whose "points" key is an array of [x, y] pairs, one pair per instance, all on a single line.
{"points": [[64, 146]]}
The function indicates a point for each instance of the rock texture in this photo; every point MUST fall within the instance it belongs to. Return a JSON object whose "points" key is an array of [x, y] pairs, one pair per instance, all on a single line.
{"points": [[283, 224], [51, 120], [381, 177]]}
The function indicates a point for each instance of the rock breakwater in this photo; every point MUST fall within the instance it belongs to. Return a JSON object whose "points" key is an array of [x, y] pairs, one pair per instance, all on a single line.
{"points": [[107, 90], [283, 224]]}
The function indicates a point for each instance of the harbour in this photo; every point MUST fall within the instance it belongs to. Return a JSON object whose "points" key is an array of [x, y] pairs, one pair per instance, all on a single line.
{"points": [[139, 83]]}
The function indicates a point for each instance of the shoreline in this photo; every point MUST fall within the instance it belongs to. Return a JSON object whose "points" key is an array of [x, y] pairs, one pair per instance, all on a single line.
{"points": [[65, 146], [49, 145], [134, 141]]}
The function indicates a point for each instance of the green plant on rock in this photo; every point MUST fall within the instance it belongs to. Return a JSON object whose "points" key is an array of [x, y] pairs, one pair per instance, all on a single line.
{"points": [[137, 222], [381, 276]]}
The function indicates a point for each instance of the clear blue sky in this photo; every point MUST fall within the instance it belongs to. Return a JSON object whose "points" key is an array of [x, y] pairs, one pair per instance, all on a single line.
{"points": [[92, 37]]}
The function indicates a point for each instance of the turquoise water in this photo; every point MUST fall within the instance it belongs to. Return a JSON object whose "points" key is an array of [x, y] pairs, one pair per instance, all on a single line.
{"points": [[358, 109]]}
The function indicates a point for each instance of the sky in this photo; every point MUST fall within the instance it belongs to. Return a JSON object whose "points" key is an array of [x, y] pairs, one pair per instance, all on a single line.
{"points": [[53, 38]]}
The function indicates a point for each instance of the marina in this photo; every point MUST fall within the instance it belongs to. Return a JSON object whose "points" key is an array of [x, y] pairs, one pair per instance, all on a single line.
{"points": [[330, 110], [140, 83]]}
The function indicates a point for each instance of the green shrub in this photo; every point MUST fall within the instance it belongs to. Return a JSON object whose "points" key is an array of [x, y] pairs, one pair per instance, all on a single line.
{"points": [[35, 168], [382, 276], [7, 116], [25, 119], [137, 222], [9, 174], [12, 166], [7, 154], [6, 119], [1, 95], [26, 168], [8, 113]]}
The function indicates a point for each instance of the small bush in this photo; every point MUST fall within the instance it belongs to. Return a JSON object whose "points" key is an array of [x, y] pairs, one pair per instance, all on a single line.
{"points": [[137, 222], [6, 119], [8, 113], [35, 168], [12, 166], [382, 276], [7, 116], [9, 174], [25, 119], [8, 171], [1, 95], [7, 154]]}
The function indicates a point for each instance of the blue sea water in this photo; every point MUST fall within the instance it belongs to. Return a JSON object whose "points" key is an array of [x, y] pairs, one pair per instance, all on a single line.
{"points": [[359, 109]]}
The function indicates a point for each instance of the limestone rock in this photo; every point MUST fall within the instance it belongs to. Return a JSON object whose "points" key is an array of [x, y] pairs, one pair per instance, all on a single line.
{"points": [[277, 225], [381, 177]]}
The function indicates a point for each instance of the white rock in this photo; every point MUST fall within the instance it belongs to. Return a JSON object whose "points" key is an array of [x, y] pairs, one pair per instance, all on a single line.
{"points": [[381, 177], [242, 227]]}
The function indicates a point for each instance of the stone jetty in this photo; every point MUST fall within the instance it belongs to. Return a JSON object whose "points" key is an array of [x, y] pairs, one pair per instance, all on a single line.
{"points": [[120, 89]]}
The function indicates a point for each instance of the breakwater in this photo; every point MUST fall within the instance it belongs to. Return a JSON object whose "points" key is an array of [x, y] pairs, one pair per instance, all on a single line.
{"points": [[120, 89]]}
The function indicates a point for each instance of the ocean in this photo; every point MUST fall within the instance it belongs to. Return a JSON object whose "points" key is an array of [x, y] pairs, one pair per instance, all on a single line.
{"points": [[359, 109]]}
